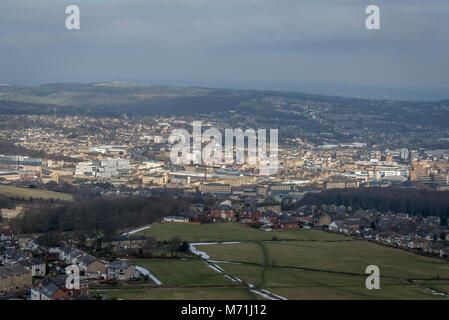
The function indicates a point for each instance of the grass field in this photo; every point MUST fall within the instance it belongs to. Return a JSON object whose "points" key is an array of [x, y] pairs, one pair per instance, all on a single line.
{"points": [[331, 270], [182, 279], [183, 272], [440, 285], [198, 293], [351, 256], [229, 232], [11, 191], [241, 252], [304, 285], [305, 264]]}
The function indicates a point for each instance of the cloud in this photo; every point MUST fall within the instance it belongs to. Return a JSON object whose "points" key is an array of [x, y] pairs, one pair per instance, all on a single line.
{"points": [[267, 40]]}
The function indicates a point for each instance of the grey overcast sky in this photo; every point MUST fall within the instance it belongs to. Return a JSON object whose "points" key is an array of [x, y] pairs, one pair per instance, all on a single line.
{"points": [[222, 42]]}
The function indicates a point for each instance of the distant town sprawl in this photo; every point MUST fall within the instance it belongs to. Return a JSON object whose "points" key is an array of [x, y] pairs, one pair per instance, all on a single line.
{"points": [[133, 153], [395, 197]]}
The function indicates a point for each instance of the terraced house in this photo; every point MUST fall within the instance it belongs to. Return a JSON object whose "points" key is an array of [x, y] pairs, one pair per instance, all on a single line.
{"points": [[14, 279]]}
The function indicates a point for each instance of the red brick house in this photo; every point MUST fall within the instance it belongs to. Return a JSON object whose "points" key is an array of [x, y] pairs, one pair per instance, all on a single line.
{"points": [[270, 216], [286, 223], [55, 289], [249, 216], [223, 212], [49, 291], [306, 219]]}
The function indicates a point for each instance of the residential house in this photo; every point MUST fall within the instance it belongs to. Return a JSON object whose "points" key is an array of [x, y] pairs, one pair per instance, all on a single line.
{"points": [[306, 219], [35, 266], [223, 212], [249, 216], [121, 270], [195, 207], [352, 225], [91, 265], [70, 257], [270, 217], [124, 244], [11, 257], [27, 243], [270, 207], [321, 219], [191, 214], [14, 279], [50, 291], [55, 288], [288, 223], [62, 252], [333, 226], [6, 235]]}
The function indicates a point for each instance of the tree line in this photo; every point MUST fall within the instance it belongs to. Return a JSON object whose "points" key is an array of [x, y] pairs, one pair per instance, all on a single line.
{"points": [[398, 200], [103, 217]]}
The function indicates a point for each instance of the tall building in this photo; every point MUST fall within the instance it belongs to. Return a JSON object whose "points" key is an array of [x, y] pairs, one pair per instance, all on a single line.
{"points": [[405, 154]]}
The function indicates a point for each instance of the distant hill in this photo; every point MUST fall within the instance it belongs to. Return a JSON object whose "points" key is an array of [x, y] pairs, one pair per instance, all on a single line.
{"points": [[320, 119], [123, 98]]}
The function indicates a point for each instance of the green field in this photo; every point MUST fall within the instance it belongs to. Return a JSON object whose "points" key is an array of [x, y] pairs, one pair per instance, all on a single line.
{"points": [[183, 272], [182, 279], [198, 293], [229, 232], [351, 256], [305, 264], [11, 191], [304, 285], [331, 270], [440, 285]]}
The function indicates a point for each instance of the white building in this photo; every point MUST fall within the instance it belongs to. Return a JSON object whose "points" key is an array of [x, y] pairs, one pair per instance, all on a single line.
{"points": [[175, 219], [105, 168], [85, 169]]}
